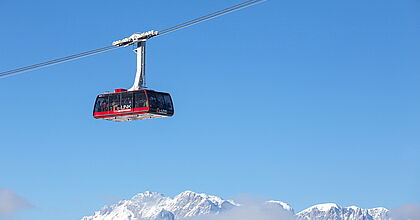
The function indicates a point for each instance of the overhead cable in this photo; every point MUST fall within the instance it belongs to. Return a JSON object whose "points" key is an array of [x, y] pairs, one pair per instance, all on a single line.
{"points": [[108, 48], [56, 61], [211, 16]]}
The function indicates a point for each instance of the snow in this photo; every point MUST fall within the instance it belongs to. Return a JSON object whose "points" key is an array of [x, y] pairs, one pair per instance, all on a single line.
{"points": [[332, 211], [283, 205], [156, 206], [326, 207]]}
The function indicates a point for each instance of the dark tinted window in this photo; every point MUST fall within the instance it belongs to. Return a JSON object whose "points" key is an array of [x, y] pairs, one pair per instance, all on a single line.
{"points": [[161, 101], [114, 100], [153, 102], [126, 100], [140, 99], [168, 102], [101, 104]]}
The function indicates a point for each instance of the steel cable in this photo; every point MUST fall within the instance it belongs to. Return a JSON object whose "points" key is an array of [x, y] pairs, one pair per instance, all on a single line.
{"points": [[108, 48], [211, 16], [56, 61]]}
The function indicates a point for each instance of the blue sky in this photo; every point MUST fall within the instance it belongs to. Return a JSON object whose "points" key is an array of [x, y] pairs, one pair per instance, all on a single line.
{"points": [[300, 101]]}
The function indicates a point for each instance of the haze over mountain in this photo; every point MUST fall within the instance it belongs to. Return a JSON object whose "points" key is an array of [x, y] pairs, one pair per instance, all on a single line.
{"points": [[191, 205]]}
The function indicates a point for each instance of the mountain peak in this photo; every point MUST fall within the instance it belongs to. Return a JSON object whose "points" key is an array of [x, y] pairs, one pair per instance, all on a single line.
{"points": [[149, 194], [283, 205], [325, 207], [336, 212], [155, 206]]}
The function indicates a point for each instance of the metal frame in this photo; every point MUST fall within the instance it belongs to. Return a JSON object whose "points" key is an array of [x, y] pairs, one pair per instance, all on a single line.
{"points": [[140, 79]]}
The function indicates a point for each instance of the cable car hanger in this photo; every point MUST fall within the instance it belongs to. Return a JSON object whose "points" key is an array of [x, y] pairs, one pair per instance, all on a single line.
{"points": [[137, 102], [213, 15]]}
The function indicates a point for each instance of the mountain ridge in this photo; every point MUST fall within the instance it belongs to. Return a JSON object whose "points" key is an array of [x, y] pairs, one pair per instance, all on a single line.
{"points": [[156, 206]]}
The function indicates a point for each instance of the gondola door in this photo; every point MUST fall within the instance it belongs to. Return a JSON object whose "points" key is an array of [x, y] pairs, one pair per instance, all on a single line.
{"points": [[121, 103], [127, 104]]}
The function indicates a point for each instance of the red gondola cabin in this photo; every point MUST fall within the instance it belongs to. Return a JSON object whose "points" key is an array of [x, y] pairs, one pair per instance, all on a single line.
{"points": [[123, 105]]}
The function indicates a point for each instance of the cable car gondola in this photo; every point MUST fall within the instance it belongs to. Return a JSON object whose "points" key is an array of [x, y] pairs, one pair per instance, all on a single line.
{"points": [[136, 103], [123, 105]]}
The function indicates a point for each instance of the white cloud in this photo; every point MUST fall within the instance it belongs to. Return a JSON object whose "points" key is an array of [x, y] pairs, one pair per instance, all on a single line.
{"points": [[406, 212], [10, 202]]}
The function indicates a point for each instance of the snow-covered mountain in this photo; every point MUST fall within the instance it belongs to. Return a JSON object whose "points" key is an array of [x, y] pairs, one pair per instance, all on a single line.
{"points": [[282, 205], [156, 206], [331, 211]]}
